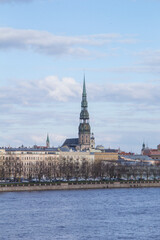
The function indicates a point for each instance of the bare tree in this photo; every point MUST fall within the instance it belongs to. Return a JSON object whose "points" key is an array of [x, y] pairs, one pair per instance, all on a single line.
{"points": [[76, 169], [40, 169], [2, 171], [8, 168], [85, 169], [17, 168]]}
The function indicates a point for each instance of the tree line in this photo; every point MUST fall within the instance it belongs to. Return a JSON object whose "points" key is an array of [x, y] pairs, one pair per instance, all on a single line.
{"points": [[68, 168]]}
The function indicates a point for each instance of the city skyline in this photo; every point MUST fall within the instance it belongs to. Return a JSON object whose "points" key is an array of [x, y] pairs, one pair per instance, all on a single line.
{"points": [[47, 46]]}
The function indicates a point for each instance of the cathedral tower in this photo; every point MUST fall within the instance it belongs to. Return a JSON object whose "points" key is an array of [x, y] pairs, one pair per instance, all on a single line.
{"points": [[84, 127]]}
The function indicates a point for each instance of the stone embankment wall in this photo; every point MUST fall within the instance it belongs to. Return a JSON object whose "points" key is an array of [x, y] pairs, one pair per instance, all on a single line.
{"points": [[73, 186]]}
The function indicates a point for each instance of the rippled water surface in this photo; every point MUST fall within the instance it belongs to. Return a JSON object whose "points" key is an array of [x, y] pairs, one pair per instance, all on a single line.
{"points": [[81, 215]]}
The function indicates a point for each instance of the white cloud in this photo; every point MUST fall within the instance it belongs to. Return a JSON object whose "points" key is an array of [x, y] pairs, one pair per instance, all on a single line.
{"points": [[60, 90], [148, 61], [38, 92], [126, 92], [53, 89], [50, 44], [149, 57]]}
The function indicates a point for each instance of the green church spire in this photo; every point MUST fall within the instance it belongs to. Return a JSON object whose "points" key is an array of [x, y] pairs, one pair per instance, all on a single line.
{"points": [[47, 141], [84, 103], [84, 87], [47, 138], [84, 127]]}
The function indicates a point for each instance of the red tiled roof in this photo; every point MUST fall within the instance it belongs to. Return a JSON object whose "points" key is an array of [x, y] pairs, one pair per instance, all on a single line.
{"points": [[154, 152]]}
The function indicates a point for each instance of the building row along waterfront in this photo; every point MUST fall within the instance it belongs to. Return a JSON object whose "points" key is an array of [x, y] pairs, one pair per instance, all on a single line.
{"points": [[30, 162], [55, 162]]}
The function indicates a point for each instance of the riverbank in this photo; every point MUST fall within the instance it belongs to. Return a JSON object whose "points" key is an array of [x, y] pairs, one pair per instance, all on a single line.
{"points": [[76, 185]]}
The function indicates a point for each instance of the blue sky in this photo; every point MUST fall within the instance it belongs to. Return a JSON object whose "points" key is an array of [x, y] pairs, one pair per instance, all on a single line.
{"points": [[45, 48]]}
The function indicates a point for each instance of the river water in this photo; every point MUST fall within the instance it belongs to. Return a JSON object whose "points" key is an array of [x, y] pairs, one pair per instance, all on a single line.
{"points": [[109, 214]]}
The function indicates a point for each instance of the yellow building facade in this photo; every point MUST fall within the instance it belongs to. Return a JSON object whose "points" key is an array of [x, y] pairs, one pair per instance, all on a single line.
{"points": [[106, 156]]}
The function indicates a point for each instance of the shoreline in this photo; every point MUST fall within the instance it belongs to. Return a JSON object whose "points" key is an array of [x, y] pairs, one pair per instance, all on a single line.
{"points": [[76, 186]]}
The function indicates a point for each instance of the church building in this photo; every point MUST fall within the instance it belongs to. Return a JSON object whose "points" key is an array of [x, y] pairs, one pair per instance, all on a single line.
{"points": [[85, 140]]}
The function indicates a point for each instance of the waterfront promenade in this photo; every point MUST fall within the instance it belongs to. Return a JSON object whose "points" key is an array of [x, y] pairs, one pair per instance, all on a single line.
{"points": [[18, 187]]}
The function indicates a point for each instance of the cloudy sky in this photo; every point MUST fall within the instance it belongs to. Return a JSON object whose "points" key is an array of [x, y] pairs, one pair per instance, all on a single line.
{"points": [[45, 48]]}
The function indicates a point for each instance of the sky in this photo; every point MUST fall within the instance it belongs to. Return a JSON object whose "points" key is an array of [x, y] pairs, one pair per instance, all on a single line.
{"points": [[46, 47]]}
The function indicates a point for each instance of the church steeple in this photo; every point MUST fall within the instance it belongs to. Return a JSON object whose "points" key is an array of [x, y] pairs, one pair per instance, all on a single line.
{"points": [[84, 103], [84, 127], [47, 141], [84, 87]]}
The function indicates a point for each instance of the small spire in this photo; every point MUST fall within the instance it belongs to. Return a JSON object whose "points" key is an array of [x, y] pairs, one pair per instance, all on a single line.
{"points": [[47, 137], [143, 145]]}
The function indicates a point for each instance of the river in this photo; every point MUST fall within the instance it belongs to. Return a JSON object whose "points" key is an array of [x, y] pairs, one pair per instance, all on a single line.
{"points": [[109, 214]]}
